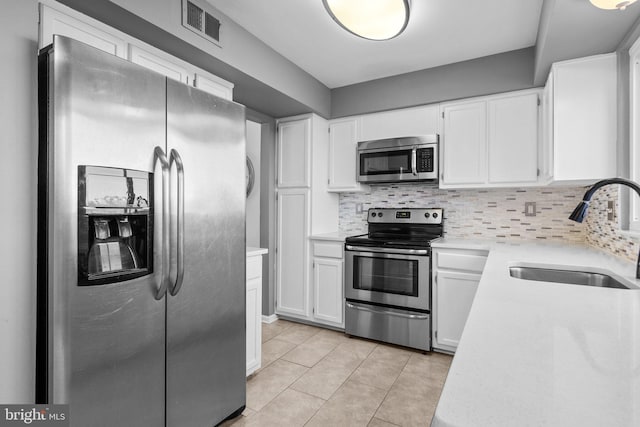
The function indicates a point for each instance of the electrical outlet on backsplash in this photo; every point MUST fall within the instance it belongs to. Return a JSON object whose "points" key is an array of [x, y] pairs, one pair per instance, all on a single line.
{"points": [[491, 213]]}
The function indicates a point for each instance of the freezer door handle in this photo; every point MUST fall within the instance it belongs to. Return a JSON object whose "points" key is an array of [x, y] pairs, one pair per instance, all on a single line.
{"points": [[174, 157], [164, 164]]}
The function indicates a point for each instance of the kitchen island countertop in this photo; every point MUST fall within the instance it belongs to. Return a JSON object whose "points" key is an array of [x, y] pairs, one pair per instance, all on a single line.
{"points": [[545, 354]]}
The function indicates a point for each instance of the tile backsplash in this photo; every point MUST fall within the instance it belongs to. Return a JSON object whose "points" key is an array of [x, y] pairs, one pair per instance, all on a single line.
{"points": [[499, 214], [487, 213], [605, 234]]}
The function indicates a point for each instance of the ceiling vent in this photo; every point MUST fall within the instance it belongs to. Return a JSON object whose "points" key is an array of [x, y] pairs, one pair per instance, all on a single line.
{"points": [[199, 18]]}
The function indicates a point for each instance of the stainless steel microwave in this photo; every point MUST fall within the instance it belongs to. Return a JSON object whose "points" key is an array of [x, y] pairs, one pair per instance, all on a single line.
{"points": [[413, 158]]}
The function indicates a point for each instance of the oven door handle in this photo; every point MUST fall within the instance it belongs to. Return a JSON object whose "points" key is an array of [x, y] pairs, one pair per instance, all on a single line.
{"points": [[388, 250], [387, 312]]}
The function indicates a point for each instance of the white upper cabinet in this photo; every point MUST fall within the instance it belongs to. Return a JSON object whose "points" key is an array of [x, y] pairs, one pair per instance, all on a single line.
{"points": [[464, 144], [581, 120], [294, 153], [162, 64], [491, 141], [70, 23], [343, 155], [396, 123], [513, 139], [90, 32], [214, 85]]}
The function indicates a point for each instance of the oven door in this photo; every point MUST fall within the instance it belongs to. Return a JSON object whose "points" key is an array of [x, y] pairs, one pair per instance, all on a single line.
{"points": [[393, 277]]}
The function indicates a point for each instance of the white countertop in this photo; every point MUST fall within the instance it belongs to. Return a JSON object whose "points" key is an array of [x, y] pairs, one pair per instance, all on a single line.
{"points": [[335, 236], [545, 354], [256, 251]]}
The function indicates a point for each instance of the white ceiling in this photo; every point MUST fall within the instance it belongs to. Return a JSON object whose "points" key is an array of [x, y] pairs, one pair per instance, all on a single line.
{"points": [[439, 32]]}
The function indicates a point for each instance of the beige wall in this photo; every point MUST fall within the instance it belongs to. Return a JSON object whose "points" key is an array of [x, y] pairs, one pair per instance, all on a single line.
{"points": [[18, 46]]}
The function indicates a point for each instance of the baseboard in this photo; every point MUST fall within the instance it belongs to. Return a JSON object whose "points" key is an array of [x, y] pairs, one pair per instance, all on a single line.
{"points": [[269, 319]]}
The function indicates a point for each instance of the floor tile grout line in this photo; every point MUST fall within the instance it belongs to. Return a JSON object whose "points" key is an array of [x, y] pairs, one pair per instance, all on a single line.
{"points": [[337, 343], [343, 382], [387, 393]]}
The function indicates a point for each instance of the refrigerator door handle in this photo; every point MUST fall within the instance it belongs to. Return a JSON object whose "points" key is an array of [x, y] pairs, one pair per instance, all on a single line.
{"points": [[174, 157], [164, 164]]}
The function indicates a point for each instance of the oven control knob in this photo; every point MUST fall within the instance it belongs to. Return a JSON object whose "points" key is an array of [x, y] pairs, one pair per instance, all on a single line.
{"points": [[435, 215], [380, 214], [427, 215], [373, 214]]}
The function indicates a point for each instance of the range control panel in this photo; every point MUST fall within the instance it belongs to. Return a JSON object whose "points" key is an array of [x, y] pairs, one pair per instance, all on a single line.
{"points": [[405, 216]]}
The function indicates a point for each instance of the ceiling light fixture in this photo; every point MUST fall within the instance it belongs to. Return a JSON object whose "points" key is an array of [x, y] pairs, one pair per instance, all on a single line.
{"points": [[612, 4], [370, 19]]}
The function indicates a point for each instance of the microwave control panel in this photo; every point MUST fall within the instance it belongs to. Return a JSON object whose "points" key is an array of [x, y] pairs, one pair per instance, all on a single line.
{"points": [[424, 159]]}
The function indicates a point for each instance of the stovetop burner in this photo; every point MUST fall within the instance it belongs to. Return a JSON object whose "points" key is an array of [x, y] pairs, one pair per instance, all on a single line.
{"points": [[401, 228]]}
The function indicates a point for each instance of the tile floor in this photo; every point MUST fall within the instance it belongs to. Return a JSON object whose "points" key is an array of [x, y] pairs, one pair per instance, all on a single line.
{"points": [[318, 377]]}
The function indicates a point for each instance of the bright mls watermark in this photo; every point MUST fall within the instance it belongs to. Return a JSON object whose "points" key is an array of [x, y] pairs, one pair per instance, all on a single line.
{"points": [[37, 415]]}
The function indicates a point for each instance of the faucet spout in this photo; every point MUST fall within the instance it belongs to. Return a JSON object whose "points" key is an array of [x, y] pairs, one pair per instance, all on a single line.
{"points": [[580, 212]]}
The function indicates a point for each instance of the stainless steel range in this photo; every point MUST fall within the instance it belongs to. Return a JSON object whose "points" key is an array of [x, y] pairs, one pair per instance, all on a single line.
{"points": [[388, 277]]}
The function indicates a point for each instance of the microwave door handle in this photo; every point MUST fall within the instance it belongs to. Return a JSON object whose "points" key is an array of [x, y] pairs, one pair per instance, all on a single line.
{"points": [[164, 275], [414, 168], [174, 157]]}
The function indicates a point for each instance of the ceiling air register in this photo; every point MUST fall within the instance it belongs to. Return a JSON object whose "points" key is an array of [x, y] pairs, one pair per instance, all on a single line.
{"points": [[197, 18]]}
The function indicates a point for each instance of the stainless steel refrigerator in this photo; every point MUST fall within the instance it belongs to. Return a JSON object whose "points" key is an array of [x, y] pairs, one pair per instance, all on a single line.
{"points": [[141, 244]]}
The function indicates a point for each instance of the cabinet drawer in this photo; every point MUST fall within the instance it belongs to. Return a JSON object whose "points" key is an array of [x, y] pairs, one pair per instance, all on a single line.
{"points": [[459, 260], [254, 267], [327, 249]]}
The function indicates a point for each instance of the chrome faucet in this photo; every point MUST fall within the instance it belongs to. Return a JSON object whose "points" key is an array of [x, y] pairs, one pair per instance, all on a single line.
{"points": [[580, 212]]}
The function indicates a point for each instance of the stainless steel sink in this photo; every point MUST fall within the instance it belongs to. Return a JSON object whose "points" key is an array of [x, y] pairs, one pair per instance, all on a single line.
{"points": [[570, 277]]}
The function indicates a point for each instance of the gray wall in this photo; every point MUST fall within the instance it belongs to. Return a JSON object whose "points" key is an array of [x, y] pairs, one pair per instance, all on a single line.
{"points": [[265, 80], [18, 106], [267, 207], [491, 74]]}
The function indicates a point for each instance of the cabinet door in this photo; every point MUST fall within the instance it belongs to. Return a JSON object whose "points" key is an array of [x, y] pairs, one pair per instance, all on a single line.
{"points": [[215, 86], [55, 22], [294, 153], [291, 256], [327, 284], [585, 118], [159, 64], [513, 139], [343, 144], [464, 144], [254, 323], [453, 299], [547, 131], [396, 123]]}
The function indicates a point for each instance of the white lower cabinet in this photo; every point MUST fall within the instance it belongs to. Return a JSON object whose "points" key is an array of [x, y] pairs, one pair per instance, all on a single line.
{"points": [[254, 313], [328, 294], [291, 259], [456, 276]]}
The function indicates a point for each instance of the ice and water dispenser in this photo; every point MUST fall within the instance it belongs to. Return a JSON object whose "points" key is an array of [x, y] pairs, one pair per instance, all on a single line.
{"points": [[115, 224]]}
